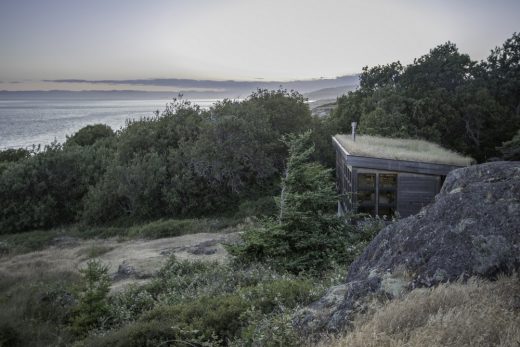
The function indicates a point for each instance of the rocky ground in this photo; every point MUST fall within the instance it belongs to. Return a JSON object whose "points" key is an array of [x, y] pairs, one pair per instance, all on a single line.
{"points": [[134, 261], [472, 229]]}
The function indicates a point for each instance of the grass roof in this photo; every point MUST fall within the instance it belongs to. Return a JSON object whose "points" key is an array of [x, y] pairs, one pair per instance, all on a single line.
{"points": [[401, 149]]}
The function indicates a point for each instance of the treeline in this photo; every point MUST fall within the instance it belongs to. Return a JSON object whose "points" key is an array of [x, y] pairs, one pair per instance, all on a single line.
{"points": [[184, 162], [189, 162], [443, 96]]}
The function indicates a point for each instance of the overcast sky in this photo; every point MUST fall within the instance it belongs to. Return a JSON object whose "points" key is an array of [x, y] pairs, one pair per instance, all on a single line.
{"points": [[233, 39]]}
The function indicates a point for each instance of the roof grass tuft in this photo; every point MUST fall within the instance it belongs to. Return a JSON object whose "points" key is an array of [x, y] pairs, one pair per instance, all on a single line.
{"points": [[401, 149]]}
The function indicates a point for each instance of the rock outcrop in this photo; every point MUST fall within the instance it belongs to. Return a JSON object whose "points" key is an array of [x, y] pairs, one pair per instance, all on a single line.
{"points": [[472, 229]]}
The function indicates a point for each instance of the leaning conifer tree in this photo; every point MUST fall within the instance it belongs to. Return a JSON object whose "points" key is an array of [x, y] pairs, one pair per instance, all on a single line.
{"points": [[306, 236]]}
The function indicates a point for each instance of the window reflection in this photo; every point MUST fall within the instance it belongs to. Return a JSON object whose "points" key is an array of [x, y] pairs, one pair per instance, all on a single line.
{"points": [[386, 198], [366, 197], [387, 195]]}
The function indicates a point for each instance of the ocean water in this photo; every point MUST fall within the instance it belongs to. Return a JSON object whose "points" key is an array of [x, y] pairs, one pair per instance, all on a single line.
{"points": [[24, 123]]}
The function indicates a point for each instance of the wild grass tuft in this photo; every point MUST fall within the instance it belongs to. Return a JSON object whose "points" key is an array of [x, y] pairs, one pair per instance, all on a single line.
{"points": [[402, 149], [479, 313]]}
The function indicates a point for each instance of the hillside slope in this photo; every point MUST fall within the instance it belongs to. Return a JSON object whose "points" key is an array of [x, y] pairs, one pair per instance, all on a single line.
{"points": [[470, 230], [476, 314]]}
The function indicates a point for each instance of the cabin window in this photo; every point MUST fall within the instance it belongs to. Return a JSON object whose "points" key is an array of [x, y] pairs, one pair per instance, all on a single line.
{"points": [[366, 193], [377, 194], [387, 197]]}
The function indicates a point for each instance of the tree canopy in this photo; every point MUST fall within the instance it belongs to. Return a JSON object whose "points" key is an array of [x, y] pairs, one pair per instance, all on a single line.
{"points": [[443, 96]]}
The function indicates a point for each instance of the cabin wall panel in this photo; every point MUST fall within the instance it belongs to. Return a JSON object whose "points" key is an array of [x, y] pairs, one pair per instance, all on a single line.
{"points": [[415, 192]]}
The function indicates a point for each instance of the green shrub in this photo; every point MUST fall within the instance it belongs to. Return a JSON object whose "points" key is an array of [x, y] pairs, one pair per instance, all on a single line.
{"points": [[132, 190], [127, 306], [35, 307], [47, 189], [185, 162], [280, 294], [140, 334], [184, 280], [511, 149], [210, 303], [28, 241], [93, 304], [225, 315], [13, 155], [261, 207], [88, 135], [178, 227], [211, 316], [273, 330]]}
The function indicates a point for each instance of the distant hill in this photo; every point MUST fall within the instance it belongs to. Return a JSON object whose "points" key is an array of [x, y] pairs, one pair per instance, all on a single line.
{"points": [[330, 93], [322, 88]]}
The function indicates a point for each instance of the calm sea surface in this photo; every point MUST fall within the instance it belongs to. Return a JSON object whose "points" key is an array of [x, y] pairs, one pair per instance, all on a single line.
{"points": [[27, 122]]}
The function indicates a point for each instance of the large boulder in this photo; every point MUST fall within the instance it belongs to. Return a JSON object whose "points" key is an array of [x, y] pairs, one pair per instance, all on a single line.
{"points": [[471, 229]]}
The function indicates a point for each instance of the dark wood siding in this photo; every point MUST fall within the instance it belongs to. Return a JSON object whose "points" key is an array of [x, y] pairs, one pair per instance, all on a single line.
{"points": [[417, 182], [415, 191], [400, 165]]}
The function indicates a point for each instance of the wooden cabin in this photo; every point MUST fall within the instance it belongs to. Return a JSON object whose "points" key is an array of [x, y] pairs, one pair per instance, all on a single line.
{"points": [[384, 177]]}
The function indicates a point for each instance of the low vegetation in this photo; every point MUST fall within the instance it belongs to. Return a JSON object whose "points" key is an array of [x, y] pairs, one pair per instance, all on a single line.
{"points": [[511, 149], [401, 149], [194, 303], [478, 313], [11, 244]]}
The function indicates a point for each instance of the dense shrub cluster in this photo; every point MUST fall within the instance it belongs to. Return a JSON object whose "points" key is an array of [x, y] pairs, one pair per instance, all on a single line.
{"points": [[183, 162], [208, 303], [47, 189], [197, 303]]}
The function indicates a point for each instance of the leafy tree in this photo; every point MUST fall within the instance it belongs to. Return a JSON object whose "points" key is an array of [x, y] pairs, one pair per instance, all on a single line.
{"points": [[443, 96], [88, 135], [389, 117], [12, 155], [307, 235], [235, 151], [349, 109], [380, 76], [287, 111], [48, 188], [132, 191], [444, 67], [502, 72]]}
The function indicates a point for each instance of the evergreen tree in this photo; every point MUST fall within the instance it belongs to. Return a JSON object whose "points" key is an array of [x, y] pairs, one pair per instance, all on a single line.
{"points": [[93, 299], [307, 235]]}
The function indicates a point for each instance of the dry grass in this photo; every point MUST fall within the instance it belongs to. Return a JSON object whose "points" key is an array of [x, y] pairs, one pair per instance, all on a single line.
{"points": [[402, 149], [144, 256], [478, 313]]}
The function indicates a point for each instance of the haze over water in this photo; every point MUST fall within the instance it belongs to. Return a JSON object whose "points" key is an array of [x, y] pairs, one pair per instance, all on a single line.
{"points": [[40, 122]]}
